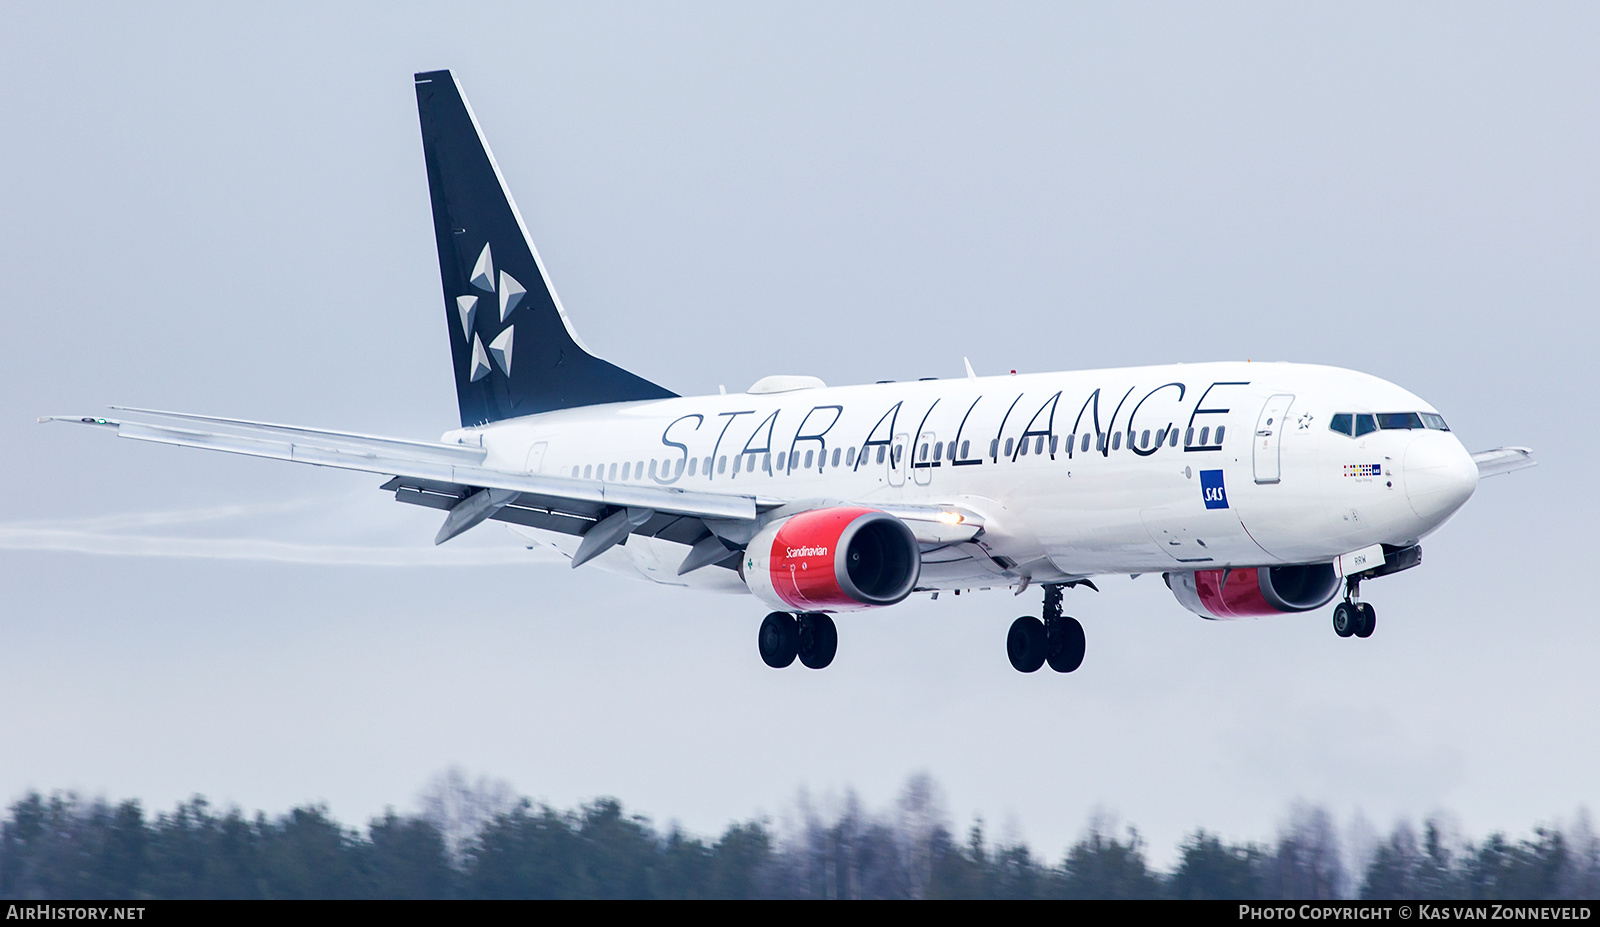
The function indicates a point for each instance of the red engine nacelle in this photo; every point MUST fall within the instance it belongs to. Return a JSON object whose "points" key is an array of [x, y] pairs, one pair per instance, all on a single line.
{"points": [[1250, 592], [832, 560]]}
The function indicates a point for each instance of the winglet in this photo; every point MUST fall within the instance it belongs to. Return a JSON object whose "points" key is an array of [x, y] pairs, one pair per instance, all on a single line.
{"points": [[80, 420]]}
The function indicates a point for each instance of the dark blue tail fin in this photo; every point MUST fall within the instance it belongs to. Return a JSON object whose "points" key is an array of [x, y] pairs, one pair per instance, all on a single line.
{"points": [[514, 351]]}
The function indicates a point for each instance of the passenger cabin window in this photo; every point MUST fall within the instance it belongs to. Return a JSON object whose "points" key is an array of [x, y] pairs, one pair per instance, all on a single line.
{"points": [[1343, 423], [1365, 424], [1172, 438], [835, 458], [850, 457], [780, 459], [1220, 430], [1010, 444], [693, 463], [722, 464], [1204, 434], [965, 447]]}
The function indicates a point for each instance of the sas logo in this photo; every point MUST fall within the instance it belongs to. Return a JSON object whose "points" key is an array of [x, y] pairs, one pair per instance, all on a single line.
{"points": [[1212, 490], [1363, 469]]}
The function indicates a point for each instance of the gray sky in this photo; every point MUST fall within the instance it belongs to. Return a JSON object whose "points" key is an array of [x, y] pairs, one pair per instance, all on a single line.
{"points": [[226, 212]]}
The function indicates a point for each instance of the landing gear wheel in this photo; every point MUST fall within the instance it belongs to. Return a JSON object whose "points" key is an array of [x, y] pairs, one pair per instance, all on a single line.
{"points": [[1064, 644], [819, 640], [1025, 644], [779, 639], [1345, 618], [1369, 620]]}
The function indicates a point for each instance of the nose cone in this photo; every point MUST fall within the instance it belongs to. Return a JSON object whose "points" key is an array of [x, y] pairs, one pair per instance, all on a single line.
{"points": [[1439, 476]]}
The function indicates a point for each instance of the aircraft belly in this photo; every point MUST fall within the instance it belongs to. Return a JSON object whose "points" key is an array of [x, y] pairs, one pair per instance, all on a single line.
{"points": [[960, 566], [1091, 523]]}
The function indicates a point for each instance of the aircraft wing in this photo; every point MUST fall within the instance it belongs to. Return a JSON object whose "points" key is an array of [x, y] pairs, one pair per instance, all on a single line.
{"points": [[1503, 460], [453, 478], [429, 467]]}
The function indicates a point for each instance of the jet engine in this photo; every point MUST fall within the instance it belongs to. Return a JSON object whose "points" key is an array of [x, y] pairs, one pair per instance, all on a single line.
{"points": [[1253, 591], [834, 559]]}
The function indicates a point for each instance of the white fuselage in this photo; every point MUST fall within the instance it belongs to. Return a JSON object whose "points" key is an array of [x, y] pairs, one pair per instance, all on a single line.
{"points": [[1132, 470]]}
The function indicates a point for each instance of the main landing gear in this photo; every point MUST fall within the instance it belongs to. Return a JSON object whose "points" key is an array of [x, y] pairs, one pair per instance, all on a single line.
{"points": [[1057, 640], [1353, 616], [811, 636]]}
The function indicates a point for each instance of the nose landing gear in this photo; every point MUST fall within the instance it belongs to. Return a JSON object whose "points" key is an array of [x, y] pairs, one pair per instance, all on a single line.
{"points": [[1353, 616], [1057, 639]]}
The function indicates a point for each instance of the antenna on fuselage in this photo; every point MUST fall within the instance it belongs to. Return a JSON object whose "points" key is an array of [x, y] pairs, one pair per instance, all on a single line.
{"points": [[968, 365]]}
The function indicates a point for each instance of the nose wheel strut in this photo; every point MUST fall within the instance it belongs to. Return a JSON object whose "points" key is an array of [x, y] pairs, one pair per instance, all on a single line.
{"points": [[1353, 617]]}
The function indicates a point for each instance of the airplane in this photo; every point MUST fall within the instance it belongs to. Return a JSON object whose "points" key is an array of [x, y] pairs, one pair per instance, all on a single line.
{"points": [[1254, 489]]}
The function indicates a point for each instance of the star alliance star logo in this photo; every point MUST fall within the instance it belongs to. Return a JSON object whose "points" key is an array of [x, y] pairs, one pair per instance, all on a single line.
{"points": [[511, 293]]}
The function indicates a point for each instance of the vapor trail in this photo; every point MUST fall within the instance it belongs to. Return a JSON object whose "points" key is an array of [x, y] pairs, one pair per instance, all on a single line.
{"points": [[256, 550]]}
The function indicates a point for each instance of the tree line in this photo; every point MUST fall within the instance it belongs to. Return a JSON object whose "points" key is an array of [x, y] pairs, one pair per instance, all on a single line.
{"points": [[481, 841]]}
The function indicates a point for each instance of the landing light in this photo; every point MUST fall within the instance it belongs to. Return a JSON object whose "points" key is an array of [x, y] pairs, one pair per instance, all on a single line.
{"points": [[950, 518]]}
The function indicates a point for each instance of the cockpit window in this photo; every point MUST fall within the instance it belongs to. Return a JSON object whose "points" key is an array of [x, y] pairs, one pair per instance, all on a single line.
{"points": [[1357, 424], [1399, 420]]}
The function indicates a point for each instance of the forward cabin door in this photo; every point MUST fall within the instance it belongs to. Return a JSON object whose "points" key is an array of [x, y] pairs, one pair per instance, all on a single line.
{"points": [[1268, 436]]}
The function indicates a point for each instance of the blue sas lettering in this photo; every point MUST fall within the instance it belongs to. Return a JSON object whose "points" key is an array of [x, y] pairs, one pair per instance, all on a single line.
{"points": [[1212, 490]]}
